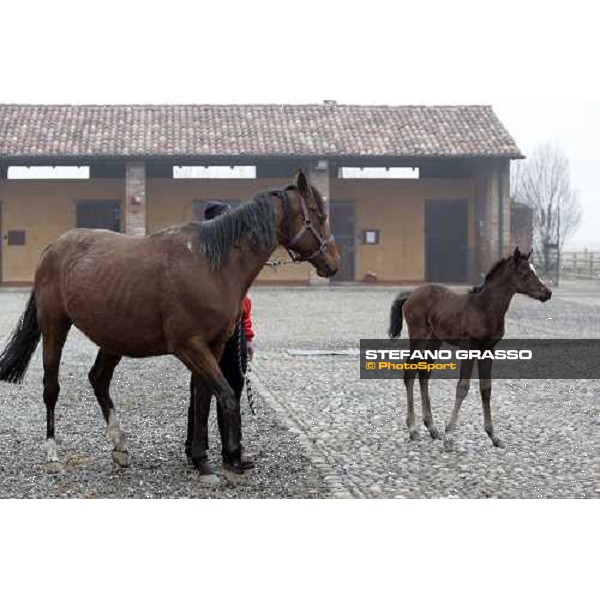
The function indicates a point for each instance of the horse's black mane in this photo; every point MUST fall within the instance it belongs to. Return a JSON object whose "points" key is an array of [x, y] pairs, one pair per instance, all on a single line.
{"points": [[254, 220], [490, 275]]}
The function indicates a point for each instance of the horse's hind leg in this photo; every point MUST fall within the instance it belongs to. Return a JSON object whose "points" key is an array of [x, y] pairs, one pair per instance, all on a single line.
{"points": [[485, 388], [462, 389], [54, 337], [409, 383], [100, 377]]}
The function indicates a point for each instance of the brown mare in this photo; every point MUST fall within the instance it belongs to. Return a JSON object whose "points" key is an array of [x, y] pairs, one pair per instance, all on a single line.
{"points": [[434, 314], [176, 292]]}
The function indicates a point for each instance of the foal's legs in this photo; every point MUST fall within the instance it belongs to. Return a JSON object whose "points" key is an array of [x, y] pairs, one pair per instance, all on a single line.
{"points": [[54, 337], [424, 377], [462, 389], [485, 387], [100, 377], [409, 383]]}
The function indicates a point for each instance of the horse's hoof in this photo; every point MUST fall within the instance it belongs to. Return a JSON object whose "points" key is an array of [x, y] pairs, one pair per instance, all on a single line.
{"points": [[121, 458], [449, 444], [233, 477], [434, 433], [414, 435], [233, 472], [498, 443], [55, 467], [51, 451], [202, 466], [209, 479]]}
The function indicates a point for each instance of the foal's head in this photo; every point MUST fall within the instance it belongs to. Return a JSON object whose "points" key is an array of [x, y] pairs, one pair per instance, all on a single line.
{"points": [[524, 279], [305, 230]]}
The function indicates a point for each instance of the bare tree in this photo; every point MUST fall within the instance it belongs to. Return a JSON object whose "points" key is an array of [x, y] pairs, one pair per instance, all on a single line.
{"points": [[543, 182]]}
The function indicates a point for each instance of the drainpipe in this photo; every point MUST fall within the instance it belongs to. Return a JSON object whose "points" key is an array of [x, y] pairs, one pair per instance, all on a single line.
{"points": [[501, 211]]}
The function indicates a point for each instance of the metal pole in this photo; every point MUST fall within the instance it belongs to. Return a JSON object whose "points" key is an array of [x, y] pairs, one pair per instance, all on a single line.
{"points": [[558, 252]]}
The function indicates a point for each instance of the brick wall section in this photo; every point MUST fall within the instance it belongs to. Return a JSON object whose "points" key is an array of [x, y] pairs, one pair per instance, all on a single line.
{"points": [[521, 230], [135, 198], [505, 175], [488, 176]]}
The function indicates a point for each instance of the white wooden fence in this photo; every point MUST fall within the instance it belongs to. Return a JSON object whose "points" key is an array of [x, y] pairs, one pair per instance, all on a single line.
{"points": [[580, 265]]}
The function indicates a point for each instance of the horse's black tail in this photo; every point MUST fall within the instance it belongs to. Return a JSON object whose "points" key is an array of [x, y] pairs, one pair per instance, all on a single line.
{"points": [[15, 358], [396, 314]]}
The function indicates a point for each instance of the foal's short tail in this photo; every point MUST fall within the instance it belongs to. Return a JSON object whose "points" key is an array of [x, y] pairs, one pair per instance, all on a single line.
{"points": [[396, 315], [15, 358]]}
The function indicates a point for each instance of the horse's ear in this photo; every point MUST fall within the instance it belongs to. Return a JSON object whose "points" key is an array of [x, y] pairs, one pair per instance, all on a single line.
{"points": [[302, 183], [516, 254], [530, 253]]}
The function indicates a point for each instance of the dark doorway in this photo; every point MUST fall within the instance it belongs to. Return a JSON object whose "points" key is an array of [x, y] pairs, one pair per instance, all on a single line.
{"points": [[341, 215], [99, 214], [446, 249]]}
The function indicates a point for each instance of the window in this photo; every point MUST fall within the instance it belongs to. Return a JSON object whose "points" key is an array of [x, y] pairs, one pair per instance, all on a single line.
{"points": [[16, 237], [48, 173], [370, 236], [214, 172], [379, 173]]}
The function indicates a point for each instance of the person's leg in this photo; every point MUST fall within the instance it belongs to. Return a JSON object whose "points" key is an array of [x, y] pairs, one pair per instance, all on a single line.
{"points": [[232, 366]]}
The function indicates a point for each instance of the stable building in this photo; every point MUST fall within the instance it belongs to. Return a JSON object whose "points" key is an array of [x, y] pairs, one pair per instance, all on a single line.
{"points": [[415, 193]]}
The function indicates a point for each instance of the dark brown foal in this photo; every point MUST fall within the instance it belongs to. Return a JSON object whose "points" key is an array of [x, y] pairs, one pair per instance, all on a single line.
{"points": [[434, 314]]}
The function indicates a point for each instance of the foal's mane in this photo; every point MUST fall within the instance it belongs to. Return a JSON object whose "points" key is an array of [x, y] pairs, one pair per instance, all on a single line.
{"points": [[490, 275]]}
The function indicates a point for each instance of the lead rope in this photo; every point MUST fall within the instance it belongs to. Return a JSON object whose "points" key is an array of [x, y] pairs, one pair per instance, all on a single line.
{"points": [[245, 369], [249, 391], [279, 262]]}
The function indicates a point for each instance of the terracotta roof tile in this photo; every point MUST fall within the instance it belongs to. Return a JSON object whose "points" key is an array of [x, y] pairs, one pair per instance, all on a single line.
{"points": [[253, 130]]}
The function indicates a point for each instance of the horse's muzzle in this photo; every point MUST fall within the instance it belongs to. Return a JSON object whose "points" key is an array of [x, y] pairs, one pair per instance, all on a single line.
{"points": [[329, 271], [546, 296]]}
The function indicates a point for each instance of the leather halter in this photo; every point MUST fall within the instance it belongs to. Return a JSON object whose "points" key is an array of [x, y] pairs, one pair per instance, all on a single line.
{"points": [[307, 226]]}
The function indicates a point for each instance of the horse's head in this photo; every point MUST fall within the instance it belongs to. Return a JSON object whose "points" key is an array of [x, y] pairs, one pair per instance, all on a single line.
{"points": [[525, 279], [304, 229]]}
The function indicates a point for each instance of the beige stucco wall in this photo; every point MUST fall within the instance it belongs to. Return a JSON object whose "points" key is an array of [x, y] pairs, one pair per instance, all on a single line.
{"points": [[397, 209], [46, 208]]}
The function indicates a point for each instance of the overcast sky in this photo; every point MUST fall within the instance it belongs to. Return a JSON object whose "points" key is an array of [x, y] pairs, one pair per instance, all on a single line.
{"points": [[535, 63]]}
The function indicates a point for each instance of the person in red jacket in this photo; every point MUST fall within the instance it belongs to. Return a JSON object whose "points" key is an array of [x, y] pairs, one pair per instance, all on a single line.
{"points": [[238, 351], [247, 326]]}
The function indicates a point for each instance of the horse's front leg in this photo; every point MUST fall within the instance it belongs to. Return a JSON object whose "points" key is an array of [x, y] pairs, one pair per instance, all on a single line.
{"points": [[197, 356], [485, 388], [198, 413]]}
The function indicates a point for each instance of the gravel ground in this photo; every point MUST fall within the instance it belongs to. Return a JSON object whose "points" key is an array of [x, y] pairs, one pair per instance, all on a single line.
{"points": [[357, 426], [320, 430]]}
